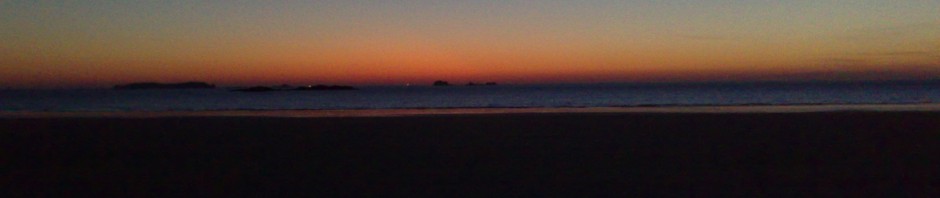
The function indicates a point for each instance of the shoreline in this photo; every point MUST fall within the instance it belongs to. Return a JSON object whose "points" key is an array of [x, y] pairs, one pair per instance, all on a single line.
{"points": [[800, 108]]}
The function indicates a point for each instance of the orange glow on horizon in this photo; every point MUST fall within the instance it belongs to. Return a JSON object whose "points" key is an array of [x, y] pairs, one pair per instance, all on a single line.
{"points": [[81, 44]]}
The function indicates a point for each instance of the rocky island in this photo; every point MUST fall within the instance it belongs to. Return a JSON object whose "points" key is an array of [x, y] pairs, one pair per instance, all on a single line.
{"points": [[441, 83], [154, 85], [300, 88], [481, 84], [324, 87], [257, 89]]}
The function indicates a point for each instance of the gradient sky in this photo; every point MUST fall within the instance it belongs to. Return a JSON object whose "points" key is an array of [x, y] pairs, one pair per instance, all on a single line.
{"points": [[98, 43]]}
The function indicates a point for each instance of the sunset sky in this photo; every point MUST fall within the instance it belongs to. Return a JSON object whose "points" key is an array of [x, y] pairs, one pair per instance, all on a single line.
{"points": [[99, 43]]}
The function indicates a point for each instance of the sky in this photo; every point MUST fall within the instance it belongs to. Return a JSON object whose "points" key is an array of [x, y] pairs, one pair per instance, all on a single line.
{"points": [[99, 43]]}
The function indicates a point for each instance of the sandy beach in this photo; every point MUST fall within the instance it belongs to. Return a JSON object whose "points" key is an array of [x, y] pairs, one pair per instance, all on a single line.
{"points": [[924, 107], [744, 151]]}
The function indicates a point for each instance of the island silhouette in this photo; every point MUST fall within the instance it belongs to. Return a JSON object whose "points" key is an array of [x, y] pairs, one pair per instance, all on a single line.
{"points": [[481, 84], [300, 88], [442, 83], [155, 85]]}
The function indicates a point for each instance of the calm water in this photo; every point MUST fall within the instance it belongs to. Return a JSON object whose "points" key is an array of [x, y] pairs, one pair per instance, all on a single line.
{"points": [[606, 95]]}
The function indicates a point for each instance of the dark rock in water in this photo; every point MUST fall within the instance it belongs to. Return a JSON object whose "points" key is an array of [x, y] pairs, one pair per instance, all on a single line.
{"points": [[479, 84], [302, 88], [257, 89], [153, 85], [441, 83], [324, 88]]}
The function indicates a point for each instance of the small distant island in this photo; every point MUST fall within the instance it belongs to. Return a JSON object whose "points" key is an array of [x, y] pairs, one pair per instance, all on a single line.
{"points": [[154, 85], [445, 83], [300, 88], [481, 84]]}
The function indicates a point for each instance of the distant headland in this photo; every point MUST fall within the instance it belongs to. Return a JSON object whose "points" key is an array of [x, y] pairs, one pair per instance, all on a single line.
{"points": [[441, 83], [481, 84], [445, 83], [154, 85], [300, 88]]}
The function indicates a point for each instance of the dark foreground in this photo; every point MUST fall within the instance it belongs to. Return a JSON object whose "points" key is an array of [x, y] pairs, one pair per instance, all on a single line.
{"points": [[837, 153]]}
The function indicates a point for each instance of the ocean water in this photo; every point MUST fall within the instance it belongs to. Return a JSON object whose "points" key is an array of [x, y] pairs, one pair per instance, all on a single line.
{"points": [[502, 96]]}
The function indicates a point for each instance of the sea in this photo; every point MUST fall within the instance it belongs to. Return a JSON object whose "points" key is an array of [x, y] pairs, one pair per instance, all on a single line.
{"points": [[500, 96]]}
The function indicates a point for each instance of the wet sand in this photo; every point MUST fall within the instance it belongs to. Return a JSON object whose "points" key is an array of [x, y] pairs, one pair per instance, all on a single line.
{"points": [[924, 107], [842, 152]]}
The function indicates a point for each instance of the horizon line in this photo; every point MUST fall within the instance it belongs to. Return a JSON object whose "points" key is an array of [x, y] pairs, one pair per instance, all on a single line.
{"points": [[430, 84]]}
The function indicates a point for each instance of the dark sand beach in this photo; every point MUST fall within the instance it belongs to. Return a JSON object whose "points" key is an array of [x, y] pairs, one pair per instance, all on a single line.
{"points": [[854, 153]]}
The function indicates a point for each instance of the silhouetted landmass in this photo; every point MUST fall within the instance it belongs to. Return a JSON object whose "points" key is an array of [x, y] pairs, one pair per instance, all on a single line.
{"points": [[325, 88], [282, 86], [257, 89], [153, 85], [483, 84], [441, 83], [301, 88]]}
